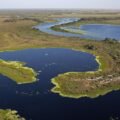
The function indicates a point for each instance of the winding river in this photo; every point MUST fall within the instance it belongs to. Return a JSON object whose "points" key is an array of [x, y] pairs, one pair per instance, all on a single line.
{"points": [[91, 31]]}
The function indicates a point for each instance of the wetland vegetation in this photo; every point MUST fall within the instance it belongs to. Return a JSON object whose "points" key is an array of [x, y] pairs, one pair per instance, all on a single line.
{"points": [[9, 115], [17, 72]]}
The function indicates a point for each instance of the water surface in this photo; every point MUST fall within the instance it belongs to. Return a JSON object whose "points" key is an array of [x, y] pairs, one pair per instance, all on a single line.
{"points": [[92, 31], [35, 101]]}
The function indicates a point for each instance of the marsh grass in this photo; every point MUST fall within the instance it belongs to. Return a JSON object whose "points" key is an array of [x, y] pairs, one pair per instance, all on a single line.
{"points": [[17, 72], [9, 115]]}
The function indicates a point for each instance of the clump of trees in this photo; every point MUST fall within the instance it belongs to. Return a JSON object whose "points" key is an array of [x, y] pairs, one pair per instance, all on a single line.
{"points": [[90, 47], [10, 20], [27, 18], [111, 41], [99, 19]]}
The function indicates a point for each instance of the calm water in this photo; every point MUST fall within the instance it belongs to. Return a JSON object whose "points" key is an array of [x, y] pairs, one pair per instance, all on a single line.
{"points": [[92, 31], [36, 102]]}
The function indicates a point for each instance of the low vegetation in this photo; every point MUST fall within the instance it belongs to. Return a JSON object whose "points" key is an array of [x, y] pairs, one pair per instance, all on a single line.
{"points": [[72, 30], [17, 72], [9, 115]]}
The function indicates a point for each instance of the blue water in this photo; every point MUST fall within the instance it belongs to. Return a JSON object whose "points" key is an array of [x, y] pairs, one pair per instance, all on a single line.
{"points": [[102, 31], [92, 31], [36, 102]]}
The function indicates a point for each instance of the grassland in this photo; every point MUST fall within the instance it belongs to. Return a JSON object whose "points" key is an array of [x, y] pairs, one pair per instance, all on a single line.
{"points": [[17, 72]]}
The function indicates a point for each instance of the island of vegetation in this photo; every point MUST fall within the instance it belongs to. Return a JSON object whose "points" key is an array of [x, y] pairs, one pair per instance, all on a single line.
{"points": [[9, 115], [16, 71], [71, 30]]}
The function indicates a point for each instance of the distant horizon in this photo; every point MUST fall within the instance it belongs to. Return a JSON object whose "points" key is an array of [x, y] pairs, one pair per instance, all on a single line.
{"points": [[59, 9], [60, 4]]}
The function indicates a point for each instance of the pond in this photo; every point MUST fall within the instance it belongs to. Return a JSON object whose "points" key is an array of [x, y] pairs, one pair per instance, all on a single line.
{"points": [[91, 31]]}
